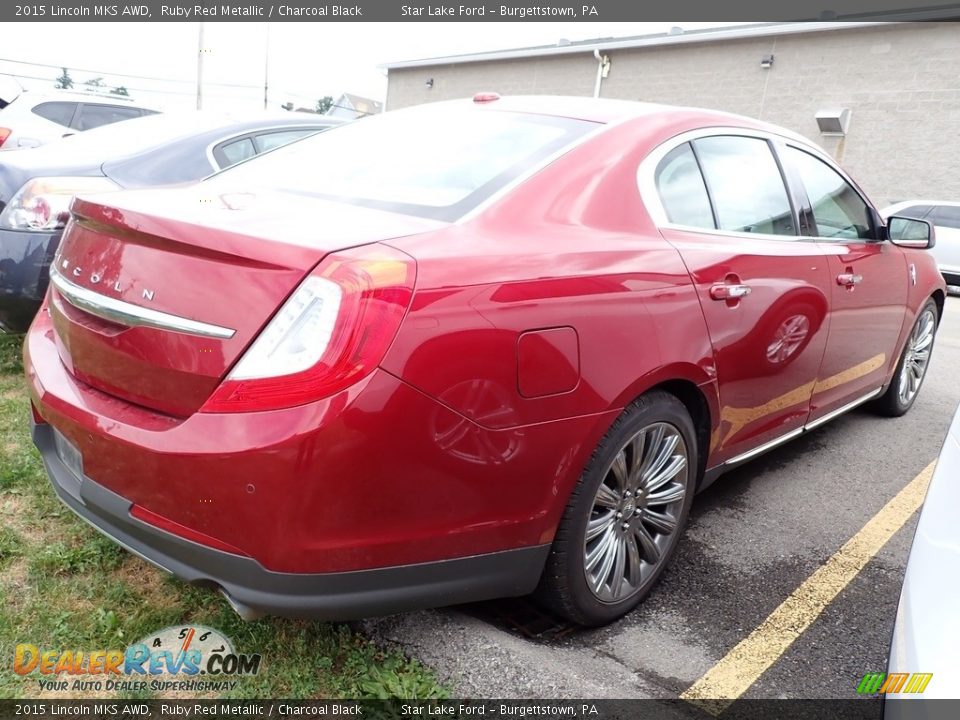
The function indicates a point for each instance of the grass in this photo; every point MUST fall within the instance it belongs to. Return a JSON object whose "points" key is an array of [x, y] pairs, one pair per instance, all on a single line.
{"points": [[64, 586]]}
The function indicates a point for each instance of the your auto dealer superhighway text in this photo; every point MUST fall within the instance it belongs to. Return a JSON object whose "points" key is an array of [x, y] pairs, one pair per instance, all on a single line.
{"points": [[187, 12]]}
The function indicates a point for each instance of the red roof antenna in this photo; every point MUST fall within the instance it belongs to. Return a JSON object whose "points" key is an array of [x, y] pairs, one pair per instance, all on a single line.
{"points": [[485, 97]]}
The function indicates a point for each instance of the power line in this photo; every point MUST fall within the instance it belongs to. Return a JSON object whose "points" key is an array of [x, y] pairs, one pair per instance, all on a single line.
{"points": [[136, 77]]}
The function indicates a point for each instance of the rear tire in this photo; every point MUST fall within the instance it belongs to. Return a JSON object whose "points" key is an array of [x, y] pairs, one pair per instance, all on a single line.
{"points": [[633, 498], [912, 367]]}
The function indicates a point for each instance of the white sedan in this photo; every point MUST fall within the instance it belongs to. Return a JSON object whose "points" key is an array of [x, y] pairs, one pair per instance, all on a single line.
{"points": [[945, 216]]}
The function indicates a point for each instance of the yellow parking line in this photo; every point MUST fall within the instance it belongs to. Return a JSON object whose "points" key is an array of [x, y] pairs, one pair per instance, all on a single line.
{"points": [[745, 663]]}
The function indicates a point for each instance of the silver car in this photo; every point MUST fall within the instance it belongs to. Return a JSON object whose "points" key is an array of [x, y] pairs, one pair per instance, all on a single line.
{"points": [[926, 637], [945, 217]]}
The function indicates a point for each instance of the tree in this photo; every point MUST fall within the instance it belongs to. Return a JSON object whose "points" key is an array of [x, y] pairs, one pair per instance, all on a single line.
{"points": [[64, 82], [120, 90], [324, 104], [94, 84]]}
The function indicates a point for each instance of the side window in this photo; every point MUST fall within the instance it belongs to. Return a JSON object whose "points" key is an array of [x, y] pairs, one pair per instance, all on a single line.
{"points": [[269, 141], [681, 189], [946, 216], [59, 112], [838, 209], [92, 116], [745, 185], [915, 211], [234, 151]]}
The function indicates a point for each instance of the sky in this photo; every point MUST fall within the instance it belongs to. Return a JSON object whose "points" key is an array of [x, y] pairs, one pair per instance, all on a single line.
{"points": [[306, 60]]}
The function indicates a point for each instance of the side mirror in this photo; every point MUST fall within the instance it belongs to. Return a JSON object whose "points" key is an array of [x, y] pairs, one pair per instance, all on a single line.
{"points": [[910, 232]]}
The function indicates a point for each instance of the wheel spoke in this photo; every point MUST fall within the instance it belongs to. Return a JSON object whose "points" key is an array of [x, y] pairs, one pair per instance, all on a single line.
{"points": [[606, 497], [619, 565], [634, 562], [671, 494], [597, 526], [664, 451], [661, 522], [653, 443], [609, 557], [650, 551], [599, 550], [654, 482], [619, 470], [637, 448]]}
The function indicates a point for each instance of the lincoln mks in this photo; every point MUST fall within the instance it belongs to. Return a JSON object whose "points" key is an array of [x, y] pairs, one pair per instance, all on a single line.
{"points": [[466, 350]]}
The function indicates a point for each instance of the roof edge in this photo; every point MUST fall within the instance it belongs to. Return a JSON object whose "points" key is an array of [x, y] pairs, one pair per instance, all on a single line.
{"points": [[731, 33]]}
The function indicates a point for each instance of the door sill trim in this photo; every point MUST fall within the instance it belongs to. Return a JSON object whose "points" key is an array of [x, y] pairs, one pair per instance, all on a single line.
{"points": [[760, 449]]}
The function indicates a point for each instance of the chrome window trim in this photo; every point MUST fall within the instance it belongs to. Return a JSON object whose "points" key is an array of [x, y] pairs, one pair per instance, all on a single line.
{"points": [[646, 178], [124, 313]]}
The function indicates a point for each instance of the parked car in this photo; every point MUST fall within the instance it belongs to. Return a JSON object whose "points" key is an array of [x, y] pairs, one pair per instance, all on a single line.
{"points": [[36, 185], [464, 350], [945, 217], [927, 624], [29, 118]]}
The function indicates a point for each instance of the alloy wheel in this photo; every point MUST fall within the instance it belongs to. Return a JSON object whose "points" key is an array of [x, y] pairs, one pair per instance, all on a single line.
{"points": [[916, 356], [635, 512]]}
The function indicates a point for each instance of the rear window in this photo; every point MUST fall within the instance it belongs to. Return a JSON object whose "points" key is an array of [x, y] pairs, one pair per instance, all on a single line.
{"points": [[427, 161], [59, 112], [94, 116]]}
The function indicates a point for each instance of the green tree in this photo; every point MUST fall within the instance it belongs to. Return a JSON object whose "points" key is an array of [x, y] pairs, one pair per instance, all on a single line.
{"points": [[120, 90], [324, 104], [94, 83], [64, 82]]}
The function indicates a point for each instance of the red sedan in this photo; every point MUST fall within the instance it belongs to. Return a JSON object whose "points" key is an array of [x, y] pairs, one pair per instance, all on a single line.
{"points": [[463, 351]]}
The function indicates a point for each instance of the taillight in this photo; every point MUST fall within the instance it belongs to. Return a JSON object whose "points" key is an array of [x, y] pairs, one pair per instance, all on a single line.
{"points": [[331, 332], [4, 134]]}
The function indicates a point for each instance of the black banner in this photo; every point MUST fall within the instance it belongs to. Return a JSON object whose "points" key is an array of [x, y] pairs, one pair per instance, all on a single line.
{"points": [[867, 708], [476, 10]]}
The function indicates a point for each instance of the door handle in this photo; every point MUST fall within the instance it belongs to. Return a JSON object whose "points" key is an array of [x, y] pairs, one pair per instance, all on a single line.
{"points": [[729, 292], [849, 279]]}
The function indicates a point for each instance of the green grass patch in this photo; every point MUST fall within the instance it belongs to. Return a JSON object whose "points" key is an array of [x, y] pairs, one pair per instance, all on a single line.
{"points": [[64, 586]]}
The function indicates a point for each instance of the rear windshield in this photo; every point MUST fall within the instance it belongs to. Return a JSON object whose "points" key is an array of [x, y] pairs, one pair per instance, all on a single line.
{"points": [[427, 161]]}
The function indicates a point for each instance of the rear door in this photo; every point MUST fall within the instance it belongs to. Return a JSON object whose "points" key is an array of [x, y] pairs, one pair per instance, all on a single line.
{"points": [[763, 290], [868, 285]]}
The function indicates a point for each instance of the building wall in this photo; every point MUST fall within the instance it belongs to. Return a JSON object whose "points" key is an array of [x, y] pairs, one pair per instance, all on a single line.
{"points": [[901, 82]]}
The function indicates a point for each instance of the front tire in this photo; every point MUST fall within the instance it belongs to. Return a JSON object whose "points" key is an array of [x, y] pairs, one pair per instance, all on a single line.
{"points": [[626, 514], [912, 367]]}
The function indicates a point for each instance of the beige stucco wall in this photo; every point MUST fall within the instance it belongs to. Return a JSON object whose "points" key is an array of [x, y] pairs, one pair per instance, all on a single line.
{"points": [[901, 82]]}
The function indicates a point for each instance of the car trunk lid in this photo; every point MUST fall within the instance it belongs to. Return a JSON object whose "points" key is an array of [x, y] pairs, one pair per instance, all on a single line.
{"points": [[156, 294]]}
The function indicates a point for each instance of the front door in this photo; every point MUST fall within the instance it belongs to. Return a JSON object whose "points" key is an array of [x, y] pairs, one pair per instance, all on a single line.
{"points": [[868, 288]]}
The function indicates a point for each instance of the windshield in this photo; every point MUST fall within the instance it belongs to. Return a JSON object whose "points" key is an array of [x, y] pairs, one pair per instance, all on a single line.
{"points": [[426, 161]]}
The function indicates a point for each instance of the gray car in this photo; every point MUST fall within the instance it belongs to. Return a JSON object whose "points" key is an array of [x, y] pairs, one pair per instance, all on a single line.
{"points": [[36, 185], [926, 637]]}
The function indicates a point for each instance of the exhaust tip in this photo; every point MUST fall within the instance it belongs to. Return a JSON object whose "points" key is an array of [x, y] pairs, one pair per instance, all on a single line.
{"points": [[245, 612]]}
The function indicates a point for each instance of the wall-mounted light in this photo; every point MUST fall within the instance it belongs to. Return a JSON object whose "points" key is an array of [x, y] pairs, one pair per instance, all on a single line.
{"points": [[429, 83], [833, 122], [766, 62]]}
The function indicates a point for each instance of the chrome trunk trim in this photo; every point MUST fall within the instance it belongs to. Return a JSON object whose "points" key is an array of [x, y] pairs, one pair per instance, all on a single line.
{"points": [[124, 313]]}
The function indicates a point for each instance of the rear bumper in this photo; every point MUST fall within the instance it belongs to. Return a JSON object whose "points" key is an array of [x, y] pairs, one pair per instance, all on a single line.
{"points": [[254, 590], [24, 274]]}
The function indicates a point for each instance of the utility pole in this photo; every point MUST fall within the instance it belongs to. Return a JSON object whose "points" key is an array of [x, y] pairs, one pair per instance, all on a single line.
{"points": [[266, 67], [200, 69]]}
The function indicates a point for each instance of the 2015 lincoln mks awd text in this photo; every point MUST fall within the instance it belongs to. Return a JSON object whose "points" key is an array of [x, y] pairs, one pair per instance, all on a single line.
{"points": [[466, 350]]}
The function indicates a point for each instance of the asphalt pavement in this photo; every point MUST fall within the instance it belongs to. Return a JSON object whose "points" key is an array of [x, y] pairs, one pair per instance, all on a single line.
{"points": [[753, 538]]}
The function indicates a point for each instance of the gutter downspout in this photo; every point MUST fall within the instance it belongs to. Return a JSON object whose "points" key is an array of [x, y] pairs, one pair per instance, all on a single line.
{"points": [[603, 67]]}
